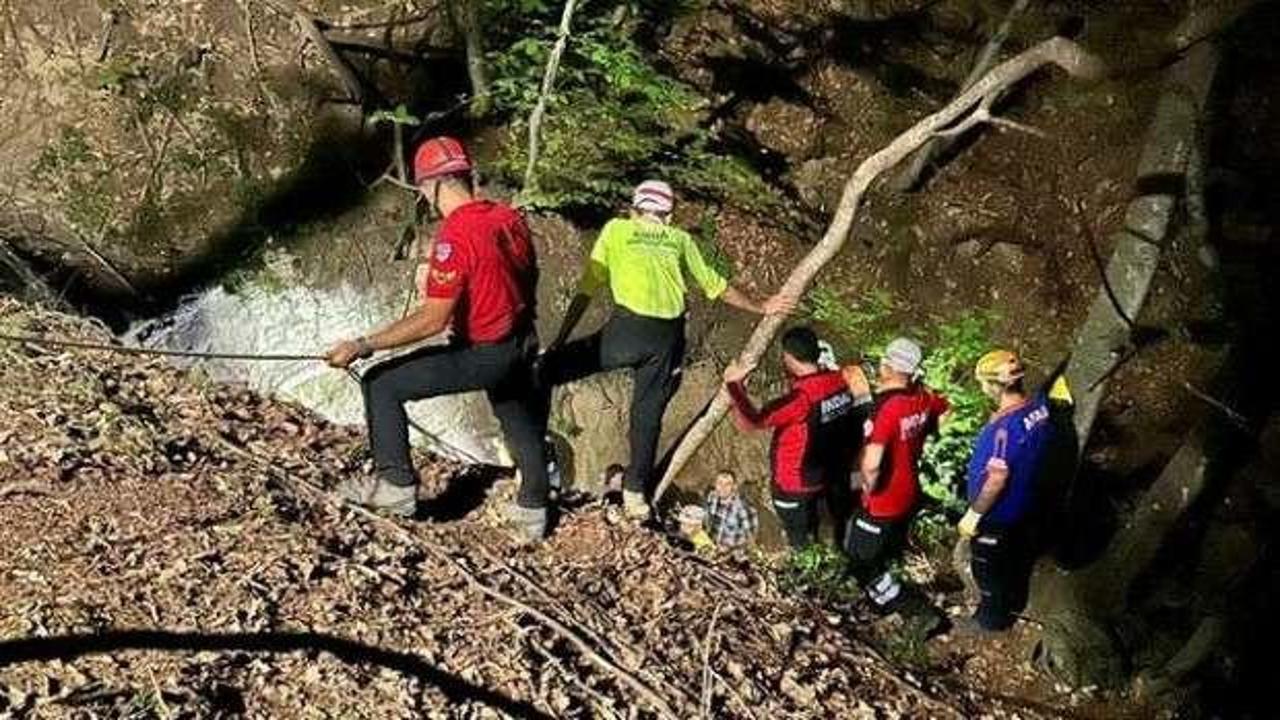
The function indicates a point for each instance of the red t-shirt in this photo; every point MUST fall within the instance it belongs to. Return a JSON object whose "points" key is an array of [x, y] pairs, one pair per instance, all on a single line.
{"points": [[815, 432], [484, 257], [902, 421]]}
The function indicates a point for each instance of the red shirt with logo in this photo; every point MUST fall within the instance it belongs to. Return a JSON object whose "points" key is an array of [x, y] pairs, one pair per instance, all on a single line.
{"points": [[484, 258], [902, 421], [815, 432]]}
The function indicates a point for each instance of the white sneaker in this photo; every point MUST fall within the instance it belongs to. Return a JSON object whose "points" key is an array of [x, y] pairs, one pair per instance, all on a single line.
{"points": [[634, 506]]}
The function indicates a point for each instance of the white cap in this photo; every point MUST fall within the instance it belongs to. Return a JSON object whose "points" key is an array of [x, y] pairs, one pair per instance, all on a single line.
{"points": [[827, 356], [653, 196], [904, 356]]}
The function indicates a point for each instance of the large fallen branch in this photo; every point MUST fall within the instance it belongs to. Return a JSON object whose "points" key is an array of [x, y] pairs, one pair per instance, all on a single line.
{"points": [[910, 175], [963, 113]]}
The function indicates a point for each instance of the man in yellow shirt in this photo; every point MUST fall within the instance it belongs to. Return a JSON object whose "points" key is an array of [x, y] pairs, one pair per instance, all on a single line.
{"points": [[643, 261]]}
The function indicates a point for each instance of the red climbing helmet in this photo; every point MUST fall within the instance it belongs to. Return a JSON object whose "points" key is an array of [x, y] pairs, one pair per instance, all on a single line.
{"points": [[440, 156]]}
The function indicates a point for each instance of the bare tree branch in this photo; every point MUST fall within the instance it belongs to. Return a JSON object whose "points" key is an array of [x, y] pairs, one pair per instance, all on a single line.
{"points": [[910, 175], [1055, 51], [548, 82]]}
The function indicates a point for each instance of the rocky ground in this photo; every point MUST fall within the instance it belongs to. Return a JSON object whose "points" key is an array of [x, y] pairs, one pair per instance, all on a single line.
{"points": [[168, 550]]}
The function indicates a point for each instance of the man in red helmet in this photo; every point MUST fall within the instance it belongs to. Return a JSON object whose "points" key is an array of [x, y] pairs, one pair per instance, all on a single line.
{"points": [[480, 282]]}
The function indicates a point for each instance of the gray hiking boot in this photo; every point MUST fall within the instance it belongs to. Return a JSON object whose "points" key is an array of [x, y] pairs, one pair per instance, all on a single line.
{"points": [[634, 506], [528, 524], [378, 494]]}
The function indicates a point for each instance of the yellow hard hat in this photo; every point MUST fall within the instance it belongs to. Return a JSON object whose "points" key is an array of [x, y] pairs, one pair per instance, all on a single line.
{"points": [[1002, 367]]}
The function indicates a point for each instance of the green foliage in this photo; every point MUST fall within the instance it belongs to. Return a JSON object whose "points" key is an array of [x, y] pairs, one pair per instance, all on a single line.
{"points": [[819, 571], [726, 178], [952, 346], [71, 171], [860, 328], [115, 74], [953, 349], [399, 116], [613, 117], [908, 646]]}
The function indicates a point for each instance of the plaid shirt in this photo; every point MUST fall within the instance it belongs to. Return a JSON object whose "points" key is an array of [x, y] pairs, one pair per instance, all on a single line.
{"points": [[730, 522]]}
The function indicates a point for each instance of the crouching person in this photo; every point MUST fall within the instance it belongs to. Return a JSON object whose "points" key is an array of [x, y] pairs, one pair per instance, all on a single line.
{"points": [[906, 413], [480, 281], [815, 426], [1002, 478]]}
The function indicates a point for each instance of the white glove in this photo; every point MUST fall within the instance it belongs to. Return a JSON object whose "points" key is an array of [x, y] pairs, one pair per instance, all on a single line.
{"points": [[968, 526]]}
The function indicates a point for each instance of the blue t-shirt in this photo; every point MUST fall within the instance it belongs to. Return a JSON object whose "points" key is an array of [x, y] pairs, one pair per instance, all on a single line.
{"points": [[1021, 437]]}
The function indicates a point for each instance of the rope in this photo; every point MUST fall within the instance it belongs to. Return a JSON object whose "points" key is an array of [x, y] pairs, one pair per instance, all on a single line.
{"points": [[128, 350], [441, 444]]}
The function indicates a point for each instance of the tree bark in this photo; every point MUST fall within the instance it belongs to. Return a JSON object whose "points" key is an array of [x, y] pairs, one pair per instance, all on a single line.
{"points": [[910, 175], [1104, 339], [466, 19], [963, 113], [548, 82]]}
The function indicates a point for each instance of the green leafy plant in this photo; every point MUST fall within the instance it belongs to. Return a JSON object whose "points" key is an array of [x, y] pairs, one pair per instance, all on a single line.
{"points": [[613, 117], [953, 348], [821, 572]]}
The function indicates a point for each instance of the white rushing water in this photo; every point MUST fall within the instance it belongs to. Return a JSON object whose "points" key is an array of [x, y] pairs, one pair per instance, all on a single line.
{"points": [[274, 311]]}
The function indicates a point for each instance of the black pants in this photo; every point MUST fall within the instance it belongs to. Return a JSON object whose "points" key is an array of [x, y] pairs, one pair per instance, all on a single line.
{"points": [[503, 370], [1001, 560], [654, 349], [800, 515], [799, 519], [873, 544]]}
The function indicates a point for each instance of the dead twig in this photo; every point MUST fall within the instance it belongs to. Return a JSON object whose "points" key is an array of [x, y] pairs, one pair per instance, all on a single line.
{"points": [[602, 703], [23, 488], [106, 264], [910, 175], [109, 20], [708, 646], [1235, 417]]}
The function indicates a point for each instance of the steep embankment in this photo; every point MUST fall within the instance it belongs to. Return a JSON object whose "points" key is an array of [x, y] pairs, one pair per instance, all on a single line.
{"points": [[167, 550]]}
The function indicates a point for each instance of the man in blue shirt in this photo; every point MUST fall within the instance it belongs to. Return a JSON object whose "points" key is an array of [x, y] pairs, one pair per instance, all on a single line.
{"points": [[1001, 487]]}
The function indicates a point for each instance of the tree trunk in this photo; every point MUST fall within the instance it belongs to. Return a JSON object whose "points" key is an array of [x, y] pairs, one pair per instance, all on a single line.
{"points": [[910, 175], [548, 82], [467, 20], [1080, 608], [1104, 339], [963, 113]]}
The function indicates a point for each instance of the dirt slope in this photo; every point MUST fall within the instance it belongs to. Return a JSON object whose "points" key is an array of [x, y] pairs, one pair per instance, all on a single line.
{"points": [[162, 555]]}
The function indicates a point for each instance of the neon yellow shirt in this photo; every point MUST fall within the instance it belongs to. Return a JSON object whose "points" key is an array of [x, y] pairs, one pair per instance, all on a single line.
{"points": [[643, 263]]}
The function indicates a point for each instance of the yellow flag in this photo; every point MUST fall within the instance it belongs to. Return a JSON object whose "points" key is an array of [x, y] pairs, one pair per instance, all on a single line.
{"points": [[1061, 392]]}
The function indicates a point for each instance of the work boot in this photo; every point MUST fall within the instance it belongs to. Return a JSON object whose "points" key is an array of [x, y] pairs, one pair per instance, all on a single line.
{"points": [[529, 524], [377, 494], [634, 506]]}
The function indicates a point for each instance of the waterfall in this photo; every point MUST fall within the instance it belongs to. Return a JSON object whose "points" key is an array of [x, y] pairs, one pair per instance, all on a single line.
{"points": [[272, 310]]}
